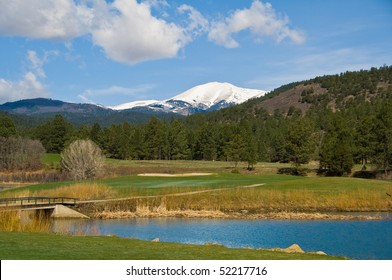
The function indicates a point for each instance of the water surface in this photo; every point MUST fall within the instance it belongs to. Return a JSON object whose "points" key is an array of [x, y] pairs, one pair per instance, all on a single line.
{"points": [[353, 239]]}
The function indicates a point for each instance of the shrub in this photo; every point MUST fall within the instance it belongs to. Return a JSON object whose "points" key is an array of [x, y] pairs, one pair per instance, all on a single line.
{"points": [[82, 159], [296, 171]]}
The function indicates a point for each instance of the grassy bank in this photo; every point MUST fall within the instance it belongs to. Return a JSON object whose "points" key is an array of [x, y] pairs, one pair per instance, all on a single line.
{"points": [[44, 246]]}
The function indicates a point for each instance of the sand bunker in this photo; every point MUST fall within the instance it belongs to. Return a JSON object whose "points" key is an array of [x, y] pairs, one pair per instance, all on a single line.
{"points": [[174, 175]]}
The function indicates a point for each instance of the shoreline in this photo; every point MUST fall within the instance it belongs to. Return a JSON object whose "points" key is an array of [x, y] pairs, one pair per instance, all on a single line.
{"points": [[146, 213]]}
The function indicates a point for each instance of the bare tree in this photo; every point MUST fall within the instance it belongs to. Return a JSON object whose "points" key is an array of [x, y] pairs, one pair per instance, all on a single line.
{"points": [[82, 159], [20, 154]]}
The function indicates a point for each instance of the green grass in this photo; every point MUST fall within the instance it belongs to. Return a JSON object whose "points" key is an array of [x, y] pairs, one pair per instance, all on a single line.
{"points": [[44, 246], [51, 158]]}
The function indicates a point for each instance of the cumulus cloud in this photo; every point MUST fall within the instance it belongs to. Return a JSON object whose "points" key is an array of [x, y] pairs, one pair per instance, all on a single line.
{"points": [[129, 31], [131, 34], [44, 19], [28, 87], [260, 19], [125, 29]]}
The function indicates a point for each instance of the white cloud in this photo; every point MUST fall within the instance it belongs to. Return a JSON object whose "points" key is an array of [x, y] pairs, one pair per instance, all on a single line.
{"points": [[28, 87], [131, 34], [136, 91], [157, 3], [119, 90], [260, 19], [44, 19], [125, 29], [197, 24], [36, 63], [86, 99]]}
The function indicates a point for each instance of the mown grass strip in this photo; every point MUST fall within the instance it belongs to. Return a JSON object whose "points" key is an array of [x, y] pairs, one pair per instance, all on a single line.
{"points": [[44, 246]]}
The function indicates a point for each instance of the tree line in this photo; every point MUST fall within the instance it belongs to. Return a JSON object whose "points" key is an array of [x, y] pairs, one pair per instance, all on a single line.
{"points": [[336, 139], [359, 130]]}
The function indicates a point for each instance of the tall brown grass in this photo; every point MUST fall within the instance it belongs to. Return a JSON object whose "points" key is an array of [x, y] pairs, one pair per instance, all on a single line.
{"points": [[82, 191], [258, 200], [12, 221]]}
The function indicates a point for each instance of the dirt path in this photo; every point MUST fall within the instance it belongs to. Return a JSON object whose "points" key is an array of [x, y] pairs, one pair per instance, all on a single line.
{"points": [[165, 195]]}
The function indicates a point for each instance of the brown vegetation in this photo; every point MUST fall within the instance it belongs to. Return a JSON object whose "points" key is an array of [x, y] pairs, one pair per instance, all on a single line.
{"points": [[39, 176], [18, 221], [145, 212], [20, 154], [82, 191]]}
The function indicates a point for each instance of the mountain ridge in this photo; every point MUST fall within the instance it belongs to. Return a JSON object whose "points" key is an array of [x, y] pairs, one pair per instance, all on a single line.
{"points": [[202, 98]]}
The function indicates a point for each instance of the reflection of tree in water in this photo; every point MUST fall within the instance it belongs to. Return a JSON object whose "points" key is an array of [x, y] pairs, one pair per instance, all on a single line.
{"points": [[75, 227]]}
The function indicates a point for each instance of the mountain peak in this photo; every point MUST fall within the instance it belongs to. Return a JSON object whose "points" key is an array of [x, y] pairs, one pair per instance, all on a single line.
{"points": [[201, 98], [212, 93]]}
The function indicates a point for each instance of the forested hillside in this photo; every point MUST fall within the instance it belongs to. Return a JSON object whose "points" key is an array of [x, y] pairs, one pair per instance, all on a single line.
{"points": [[337, 120]]}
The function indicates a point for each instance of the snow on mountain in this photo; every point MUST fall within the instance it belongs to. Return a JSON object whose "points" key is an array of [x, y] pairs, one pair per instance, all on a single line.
{"points": [[130, 105], [213, 93], [202, 98]]}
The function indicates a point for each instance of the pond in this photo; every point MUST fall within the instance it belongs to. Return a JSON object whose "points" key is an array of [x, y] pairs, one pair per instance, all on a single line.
{"points": [[353, 239]]}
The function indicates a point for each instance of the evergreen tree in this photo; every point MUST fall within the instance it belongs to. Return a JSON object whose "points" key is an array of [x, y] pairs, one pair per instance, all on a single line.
{"points": [[154, 139], [177, 141], [7, 127], [250, 152], [236, 149], [96, 134], [382, 149], [365, 139], [299, 141], [54, 134], [336, 153], [205, 148]]}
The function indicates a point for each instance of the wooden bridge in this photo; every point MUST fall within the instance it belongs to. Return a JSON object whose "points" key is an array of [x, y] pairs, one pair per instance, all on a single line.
{"points": [[40, 201], [56, 207]]}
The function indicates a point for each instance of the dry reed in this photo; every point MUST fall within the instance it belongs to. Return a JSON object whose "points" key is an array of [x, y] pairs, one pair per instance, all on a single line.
{"points": [[12, 221], [256, 200], [82, 191]]}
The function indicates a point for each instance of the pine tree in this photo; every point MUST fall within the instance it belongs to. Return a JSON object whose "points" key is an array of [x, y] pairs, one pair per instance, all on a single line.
{"points": [[54, 134], [299, 141], [382, 149], [250, 153], [235, 149], [336, 153], [177, 141], [205, 148], [154, 139]]}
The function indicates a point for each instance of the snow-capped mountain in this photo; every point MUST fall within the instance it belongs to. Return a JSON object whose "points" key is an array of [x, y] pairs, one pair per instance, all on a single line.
{"points": [[142, 103], [202, 98]]}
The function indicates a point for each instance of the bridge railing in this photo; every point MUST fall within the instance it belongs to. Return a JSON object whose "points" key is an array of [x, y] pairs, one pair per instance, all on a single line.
{"points": [[41, 200]]}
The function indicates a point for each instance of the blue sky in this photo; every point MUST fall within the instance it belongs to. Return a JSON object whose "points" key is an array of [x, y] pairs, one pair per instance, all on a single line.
{"points": [[112, 52]]}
